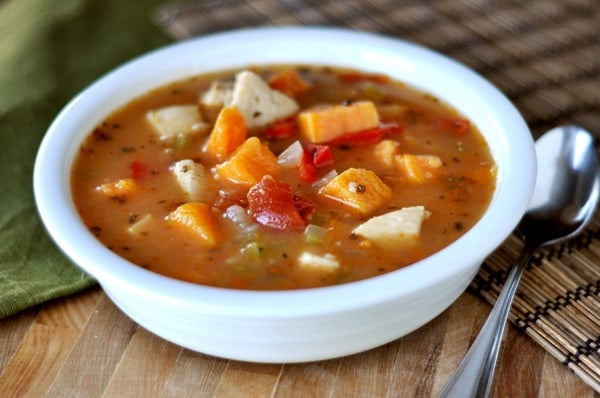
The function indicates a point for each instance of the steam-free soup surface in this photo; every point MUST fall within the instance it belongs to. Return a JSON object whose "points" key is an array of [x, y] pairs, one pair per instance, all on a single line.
{"points": [[282, 178]]}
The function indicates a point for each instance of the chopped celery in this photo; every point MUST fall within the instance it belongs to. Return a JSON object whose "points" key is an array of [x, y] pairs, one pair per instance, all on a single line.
{"points": [[319, 219], [252, 251], [181, 141], [314, 234], [372, 92]]}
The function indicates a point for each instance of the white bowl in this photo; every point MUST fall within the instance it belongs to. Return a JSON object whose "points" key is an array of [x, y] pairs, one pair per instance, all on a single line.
{"points": [[309, 324]]}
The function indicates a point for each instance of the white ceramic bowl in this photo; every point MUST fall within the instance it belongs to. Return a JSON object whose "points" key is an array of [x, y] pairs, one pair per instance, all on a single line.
{"points": [[302, 325]]}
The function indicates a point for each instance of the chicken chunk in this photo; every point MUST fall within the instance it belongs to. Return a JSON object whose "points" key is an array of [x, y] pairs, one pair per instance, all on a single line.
{"points": [[218, 94], [395, 228], [141, 225], [326, 262], [253, 97], [191, 177], [172, 121], [215, 98]]}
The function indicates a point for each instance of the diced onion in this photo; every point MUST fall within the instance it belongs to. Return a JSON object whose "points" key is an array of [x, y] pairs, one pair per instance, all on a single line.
{"points": [[292, 155], [238, 215], [325, 179]]}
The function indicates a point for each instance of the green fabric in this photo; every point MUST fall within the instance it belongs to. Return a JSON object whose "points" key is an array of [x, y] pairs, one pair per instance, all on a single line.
{"points": [[49, 51]]}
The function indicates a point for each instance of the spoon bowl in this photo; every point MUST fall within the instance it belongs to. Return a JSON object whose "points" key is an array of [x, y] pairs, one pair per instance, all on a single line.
{"points": [[566, 189], [564, 200]]}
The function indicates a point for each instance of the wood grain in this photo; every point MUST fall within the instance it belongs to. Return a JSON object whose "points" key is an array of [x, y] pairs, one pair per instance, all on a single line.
{"points": [[85, 346]]}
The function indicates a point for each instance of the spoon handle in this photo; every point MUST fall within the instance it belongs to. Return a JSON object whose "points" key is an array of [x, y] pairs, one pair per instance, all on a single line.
{"points": [[474, 376]]}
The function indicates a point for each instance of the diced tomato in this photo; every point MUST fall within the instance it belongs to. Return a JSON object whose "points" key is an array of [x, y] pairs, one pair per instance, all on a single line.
{"points": [[304, 207], [321, 155], [271, 203], [282, 129], [456, 126], [352, 77], [138, 170], [368, 137]]}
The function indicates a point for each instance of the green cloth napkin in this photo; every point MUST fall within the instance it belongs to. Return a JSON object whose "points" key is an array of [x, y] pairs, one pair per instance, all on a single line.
{"points": [[49, 51]]}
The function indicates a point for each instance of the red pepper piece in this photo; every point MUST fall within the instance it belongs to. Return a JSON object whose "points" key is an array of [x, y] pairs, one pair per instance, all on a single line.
{"points": [[306, 169], [138, 170], [368, 137], [457, 126], [282, 129], [272, 204], [353, 77], [321, 155]]}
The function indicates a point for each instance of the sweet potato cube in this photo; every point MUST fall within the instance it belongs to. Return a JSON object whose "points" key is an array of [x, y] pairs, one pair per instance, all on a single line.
{"points": [[120, 188], [228, 133], [385, 152], [198, 218], [360, 189], [418, 168], [249, 163], [324, 124], [289, 82]]}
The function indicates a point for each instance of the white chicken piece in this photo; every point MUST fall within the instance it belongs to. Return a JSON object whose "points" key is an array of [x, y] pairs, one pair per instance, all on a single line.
{"points": [[141, 225], [252, 96], [260, 104], [217, 95], [172, 121], [191, 177], [395, 228], [212, 100], [327, 262]]}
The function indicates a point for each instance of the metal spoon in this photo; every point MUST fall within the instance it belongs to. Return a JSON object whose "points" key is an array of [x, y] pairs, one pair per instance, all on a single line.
{"points": [[564, 199]]}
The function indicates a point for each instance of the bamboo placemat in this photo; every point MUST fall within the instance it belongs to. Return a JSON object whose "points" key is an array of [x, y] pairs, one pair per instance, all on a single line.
{"points": [[545, 56]]}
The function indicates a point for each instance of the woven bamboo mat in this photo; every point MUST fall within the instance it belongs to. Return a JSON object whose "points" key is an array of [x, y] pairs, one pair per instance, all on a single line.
{"points": [[545, 56]]}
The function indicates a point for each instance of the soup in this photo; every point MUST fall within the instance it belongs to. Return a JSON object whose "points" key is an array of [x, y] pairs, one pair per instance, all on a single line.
{"points": [[282, 177]]}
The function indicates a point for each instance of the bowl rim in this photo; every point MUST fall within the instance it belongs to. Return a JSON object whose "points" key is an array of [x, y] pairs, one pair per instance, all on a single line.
{"points": [[58, 214]]}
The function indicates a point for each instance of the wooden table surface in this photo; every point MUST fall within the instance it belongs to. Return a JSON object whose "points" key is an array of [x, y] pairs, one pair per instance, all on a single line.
{"points": [[85, 346]]}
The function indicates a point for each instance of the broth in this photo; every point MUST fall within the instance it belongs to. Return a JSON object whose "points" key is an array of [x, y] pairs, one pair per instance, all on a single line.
{"points": [[248, 234]]}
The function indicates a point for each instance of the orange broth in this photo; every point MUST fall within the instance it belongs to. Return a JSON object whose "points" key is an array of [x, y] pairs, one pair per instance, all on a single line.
{"points": [[124, 146]]}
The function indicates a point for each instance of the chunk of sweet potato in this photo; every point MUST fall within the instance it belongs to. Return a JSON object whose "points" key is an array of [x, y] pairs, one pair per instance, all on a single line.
{"points": [[324, 124], [249, 163], [198, 218], [289, 82], [228, 133], [360, 189], [385, 152], [418, 168], [120, 188]]}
